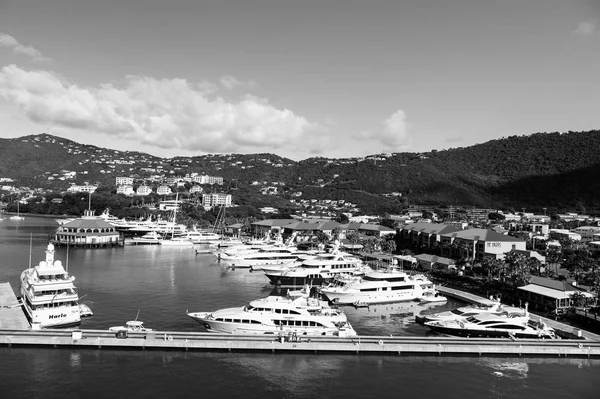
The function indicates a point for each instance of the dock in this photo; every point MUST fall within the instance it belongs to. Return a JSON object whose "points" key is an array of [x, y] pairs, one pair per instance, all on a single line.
{"points": [[12, 316], [397, 346], [15, 331]]}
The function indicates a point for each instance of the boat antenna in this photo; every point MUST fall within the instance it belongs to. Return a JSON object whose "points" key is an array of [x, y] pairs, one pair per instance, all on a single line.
{"points": [[30, 246], [137, 315]]}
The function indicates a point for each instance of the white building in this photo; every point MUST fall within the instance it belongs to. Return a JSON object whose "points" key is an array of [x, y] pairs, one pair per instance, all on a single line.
{"points": [[88, 188], [196, 189], [204, 179], [215, 199], [126, 189], [163, 190], [124, 181], [143, 190]]}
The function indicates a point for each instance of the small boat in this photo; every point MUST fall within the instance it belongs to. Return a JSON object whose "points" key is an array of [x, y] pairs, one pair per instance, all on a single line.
{"points": [[85, 310], [131, 326], [432, 297]]}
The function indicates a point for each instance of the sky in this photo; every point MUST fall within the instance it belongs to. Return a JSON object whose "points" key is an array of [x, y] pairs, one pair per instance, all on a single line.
{"points": [[300, 79]]}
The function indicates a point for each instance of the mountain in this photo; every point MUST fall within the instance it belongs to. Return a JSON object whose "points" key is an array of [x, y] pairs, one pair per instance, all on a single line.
{"points": [[552, 170]]}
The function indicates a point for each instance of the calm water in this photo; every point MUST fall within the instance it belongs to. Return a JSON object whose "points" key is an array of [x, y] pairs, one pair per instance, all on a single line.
{"points": [[162, 283]]}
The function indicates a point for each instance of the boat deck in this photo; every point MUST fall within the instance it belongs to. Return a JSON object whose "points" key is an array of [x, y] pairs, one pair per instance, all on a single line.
{"points": [[12, 316]]}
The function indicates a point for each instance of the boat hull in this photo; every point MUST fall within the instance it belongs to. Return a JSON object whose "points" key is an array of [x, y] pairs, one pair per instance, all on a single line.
{"points": [[472, 333]]}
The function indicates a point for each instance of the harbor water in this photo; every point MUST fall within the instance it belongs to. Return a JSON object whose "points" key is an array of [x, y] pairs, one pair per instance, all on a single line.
{"points": [[158, 285]]}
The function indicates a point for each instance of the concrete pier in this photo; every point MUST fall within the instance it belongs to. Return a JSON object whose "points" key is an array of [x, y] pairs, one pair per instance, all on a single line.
{"points": [[16, 331], [12, 316], [171, 340]]}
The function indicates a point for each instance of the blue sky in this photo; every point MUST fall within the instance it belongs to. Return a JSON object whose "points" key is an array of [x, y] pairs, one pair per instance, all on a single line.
{"points": [[297, 78]]}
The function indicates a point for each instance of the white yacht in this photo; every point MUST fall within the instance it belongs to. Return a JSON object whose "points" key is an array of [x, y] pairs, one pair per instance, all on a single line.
{"points": [[149, 238], [493, 325], [271, 255], [48, 294], [300, 315], [464, 312], [318, 269], [176, 241], [202, 237], [379, 286]]}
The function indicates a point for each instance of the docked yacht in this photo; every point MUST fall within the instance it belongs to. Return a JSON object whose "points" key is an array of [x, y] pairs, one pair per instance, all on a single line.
{"points": [[202, 237], [149, 238], [318, 269], [272, 255], [464, 312], [301, 315], [48, 294], [379, 286], [493, 325]]}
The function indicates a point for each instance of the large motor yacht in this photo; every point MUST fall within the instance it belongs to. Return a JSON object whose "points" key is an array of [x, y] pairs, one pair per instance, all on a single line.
{"points": [[318, 269], [48, 294], [464, 312], [379, 286], [300, 315], [493, 325]]}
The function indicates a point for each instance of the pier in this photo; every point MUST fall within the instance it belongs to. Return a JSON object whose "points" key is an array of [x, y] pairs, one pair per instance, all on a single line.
{"points": [[397, 346], [16, 331]]}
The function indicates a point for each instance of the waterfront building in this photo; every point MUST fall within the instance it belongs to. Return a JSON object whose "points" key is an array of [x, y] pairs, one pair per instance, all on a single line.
{"points": [[430, 262], [87, 231], [479, 244], [549, 295]]}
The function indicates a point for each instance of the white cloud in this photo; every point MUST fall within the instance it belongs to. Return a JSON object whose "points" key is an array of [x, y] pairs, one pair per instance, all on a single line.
{"points": [[165, 113], [231, 82], [587, 28], [393, 137], [13, 44]]}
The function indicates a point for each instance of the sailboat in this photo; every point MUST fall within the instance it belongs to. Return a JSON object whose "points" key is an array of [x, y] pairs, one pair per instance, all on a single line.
{"points": [[17, 216], [176, 241]]}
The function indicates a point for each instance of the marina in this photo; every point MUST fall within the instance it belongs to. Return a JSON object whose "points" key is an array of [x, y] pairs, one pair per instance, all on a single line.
{"points": [[380, 328]]}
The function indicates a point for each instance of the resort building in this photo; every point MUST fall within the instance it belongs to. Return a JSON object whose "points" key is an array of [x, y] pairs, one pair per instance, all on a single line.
{"points": [[557, 234], [430, 262], [479, 244], [196, 189], [215, 199]]}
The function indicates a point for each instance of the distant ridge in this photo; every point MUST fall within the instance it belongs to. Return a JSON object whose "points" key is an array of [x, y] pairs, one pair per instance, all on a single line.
{"points": [[540, 170]]}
